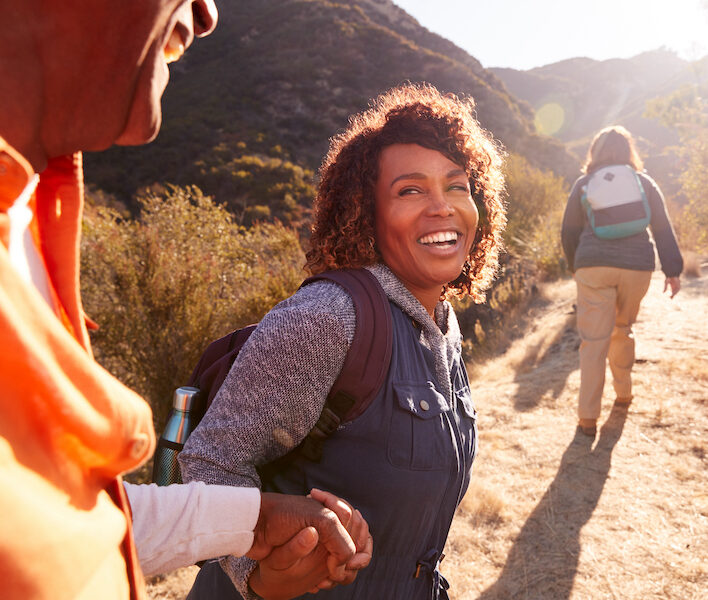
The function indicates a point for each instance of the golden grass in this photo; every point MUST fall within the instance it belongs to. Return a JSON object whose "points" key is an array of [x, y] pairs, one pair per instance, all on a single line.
{"points": [[691, 264], [483, 503], [624, 516], [173, 586]]}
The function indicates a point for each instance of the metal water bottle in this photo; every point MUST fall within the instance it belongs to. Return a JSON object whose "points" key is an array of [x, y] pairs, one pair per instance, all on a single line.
{"points": [[180, 423]]}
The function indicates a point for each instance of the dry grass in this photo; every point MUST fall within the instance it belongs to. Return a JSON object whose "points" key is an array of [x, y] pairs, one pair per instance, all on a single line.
{"points": [[621, 517], [692, 264], [173, 586], [553, 515]]}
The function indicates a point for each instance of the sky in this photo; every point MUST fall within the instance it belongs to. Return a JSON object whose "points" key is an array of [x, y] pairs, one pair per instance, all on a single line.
{"points": [[523, 34]]}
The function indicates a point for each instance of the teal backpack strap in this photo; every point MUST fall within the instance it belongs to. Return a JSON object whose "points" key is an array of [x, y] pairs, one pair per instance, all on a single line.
{"points": [[643, 194], [586, 205]]}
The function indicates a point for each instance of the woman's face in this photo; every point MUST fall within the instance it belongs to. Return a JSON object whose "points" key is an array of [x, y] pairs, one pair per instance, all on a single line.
{"points": [[425, 218]]}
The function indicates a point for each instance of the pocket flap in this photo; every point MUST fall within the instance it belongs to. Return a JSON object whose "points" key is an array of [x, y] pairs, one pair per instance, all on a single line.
{"points": [[420, 399], [465, 399]]}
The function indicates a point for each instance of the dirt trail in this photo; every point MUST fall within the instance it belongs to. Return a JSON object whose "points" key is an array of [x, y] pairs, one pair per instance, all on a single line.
{"points": [[552, 515]]}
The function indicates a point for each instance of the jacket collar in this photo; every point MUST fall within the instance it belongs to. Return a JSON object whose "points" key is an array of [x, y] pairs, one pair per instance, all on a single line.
{"points": [[15, 174]]}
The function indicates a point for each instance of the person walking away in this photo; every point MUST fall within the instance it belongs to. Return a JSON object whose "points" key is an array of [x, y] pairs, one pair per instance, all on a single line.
{"points": [[605, 237]]}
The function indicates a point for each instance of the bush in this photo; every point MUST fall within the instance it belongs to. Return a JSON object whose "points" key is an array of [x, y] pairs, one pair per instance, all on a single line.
{"points": [[686, 111], [693, 218], [536, 201], [535, 211], [482, 325], [182, 274], [256, 186]]}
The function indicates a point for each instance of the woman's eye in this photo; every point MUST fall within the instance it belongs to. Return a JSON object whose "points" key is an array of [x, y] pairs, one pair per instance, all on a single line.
{"points": [[408, 190], [460, 187]]}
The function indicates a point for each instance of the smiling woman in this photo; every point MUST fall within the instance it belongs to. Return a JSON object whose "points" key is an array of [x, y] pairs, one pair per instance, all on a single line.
{"points": [[411, 192]]}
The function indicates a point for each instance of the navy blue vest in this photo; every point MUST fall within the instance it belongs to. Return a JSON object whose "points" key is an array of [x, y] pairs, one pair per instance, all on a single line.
{"points": [[405, 464]]}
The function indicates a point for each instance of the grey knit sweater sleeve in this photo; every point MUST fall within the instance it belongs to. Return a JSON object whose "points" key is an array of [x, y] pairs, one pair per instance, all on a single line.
{"points": [[662, 230], [573, 223], [273, 395]]}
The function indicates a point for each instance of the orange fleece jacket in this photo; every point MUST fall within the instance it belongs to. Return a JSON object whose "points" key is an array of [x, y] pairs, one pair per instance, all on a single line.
{"points": [[68, 429]]}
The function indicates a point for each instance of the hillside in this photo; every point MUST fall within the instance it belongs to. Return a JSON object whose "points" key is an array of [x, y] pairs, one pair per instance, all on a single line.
{"points": [[279, 77]]}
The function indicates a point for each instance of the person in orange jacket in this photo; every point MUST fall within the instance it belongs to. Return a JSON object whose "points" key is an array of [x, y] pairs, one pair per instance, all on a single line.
{"points": [[84, 75]]}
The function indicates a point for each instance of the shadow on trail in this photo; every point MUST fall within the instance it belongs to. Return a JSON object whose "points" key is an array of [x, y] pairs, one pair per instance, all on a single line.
{"points": [[545, 367], [543, 561]]}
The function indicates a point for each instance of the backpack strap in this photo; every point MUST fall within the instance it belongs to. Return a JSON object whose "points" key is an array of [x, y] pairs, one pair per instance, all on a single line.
{"points": [[367, 362], [362, 375], [215, 364]]}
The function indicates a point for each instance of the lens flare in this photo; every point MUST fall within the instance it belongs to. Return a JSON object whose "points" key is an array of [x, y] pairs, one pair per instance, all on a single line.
{"points": [[550, 118]]}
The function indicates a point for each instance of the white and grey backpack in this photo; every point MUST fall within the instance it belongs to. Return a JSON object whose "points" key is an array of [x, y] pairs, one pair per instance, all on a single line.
{"points": [[615, 202]]}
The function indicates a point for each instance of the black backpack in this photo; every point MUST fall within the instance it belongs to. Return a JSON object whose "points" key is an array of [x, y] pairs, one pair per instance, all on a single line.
{"points": [[360, 379]]}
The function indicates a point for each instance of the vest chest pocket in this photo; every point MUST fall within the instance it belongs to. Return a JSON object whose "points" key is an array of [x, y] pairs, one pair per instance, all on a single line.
{"points": [[468, 422], [419, 434], [466, 403], [461, 389]]}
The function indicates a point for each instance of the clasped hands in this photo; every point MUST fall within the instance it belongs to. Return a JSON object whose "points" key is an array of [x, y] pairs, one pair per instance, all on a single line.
{"points": [[305, 544]]}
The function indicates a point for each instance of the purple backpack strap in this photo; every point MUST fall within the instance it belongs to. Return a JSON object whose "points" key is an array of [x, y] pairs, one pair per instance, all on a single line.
{"points": [[366, 365], [215, 364], [368, 359], [362, 375]]}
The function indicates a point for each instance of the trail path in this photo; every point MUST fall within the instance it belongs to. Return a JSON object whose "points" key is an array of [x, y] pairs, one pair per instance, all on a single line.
{"points": [[551, 515]]}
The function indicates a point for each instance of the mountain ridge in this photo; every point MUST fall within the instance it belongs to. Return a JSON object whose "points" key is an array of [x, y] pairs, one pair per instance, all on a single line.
{"points": [[287, 74], [597, 93]]}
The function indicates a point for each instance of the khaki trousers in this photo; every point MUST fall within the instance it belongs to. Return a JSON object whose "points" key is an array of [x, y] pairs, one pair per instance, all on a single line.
{"points": [[608, 303]]}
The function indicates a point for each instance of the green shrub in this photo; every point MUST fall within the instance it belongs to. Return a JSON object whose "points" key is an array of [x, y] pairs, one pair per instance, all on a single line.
{"points": [[693, 218], [256, 186], [686, 111], [535, 211], [182, 274]]}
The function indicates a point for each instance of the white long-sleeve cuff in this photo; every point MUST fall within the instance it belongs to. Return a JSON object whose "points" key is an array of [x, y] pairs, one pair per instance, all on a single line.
{"points": [[177, 525]]}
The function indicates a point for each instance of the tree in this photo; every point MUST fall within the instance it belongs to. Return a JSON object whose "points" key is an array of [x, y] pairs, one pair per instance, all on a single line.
{"points": [[536, 200], [257, 187], [686, 110]]}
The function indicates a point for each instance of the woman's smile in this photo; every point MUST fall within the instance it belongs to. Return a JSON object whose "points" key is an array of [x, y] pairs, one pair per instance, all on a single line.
{"points": [[441, 240]]}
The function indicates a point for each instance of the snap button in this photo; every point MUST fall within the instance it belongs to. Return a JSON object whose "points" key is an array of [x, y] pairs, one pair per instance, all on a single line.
{"points": [[137, 448], [424, 404]]}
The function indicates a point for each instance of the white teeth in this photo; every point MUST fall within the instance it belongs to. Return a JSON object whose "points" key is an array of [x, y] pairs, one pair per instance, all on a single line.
{"points": [[174, 48], [439, 237]]}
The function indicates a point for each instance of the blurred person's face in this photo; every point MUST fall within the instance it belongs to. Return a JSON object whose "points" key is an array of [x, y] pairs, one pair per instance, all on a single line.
{"points": [[108, 67], [426, 219], [177, 23]]}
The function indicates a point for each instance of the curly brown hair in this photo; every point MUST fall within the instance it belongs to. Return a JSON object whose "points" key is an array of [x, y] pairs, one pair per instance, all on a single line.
{"points": [[343, 225]]}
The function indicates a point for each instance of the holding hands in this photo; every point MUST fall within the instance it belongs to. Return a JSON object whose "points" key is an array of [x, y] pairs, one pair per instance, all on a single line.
{"points": [[307, 544]]}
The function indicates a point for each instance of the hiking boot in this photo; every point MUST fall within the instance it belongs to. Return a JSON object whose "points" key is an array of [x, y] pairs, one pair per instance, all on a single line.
{"points": [[623, 400], [588, 426]]}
